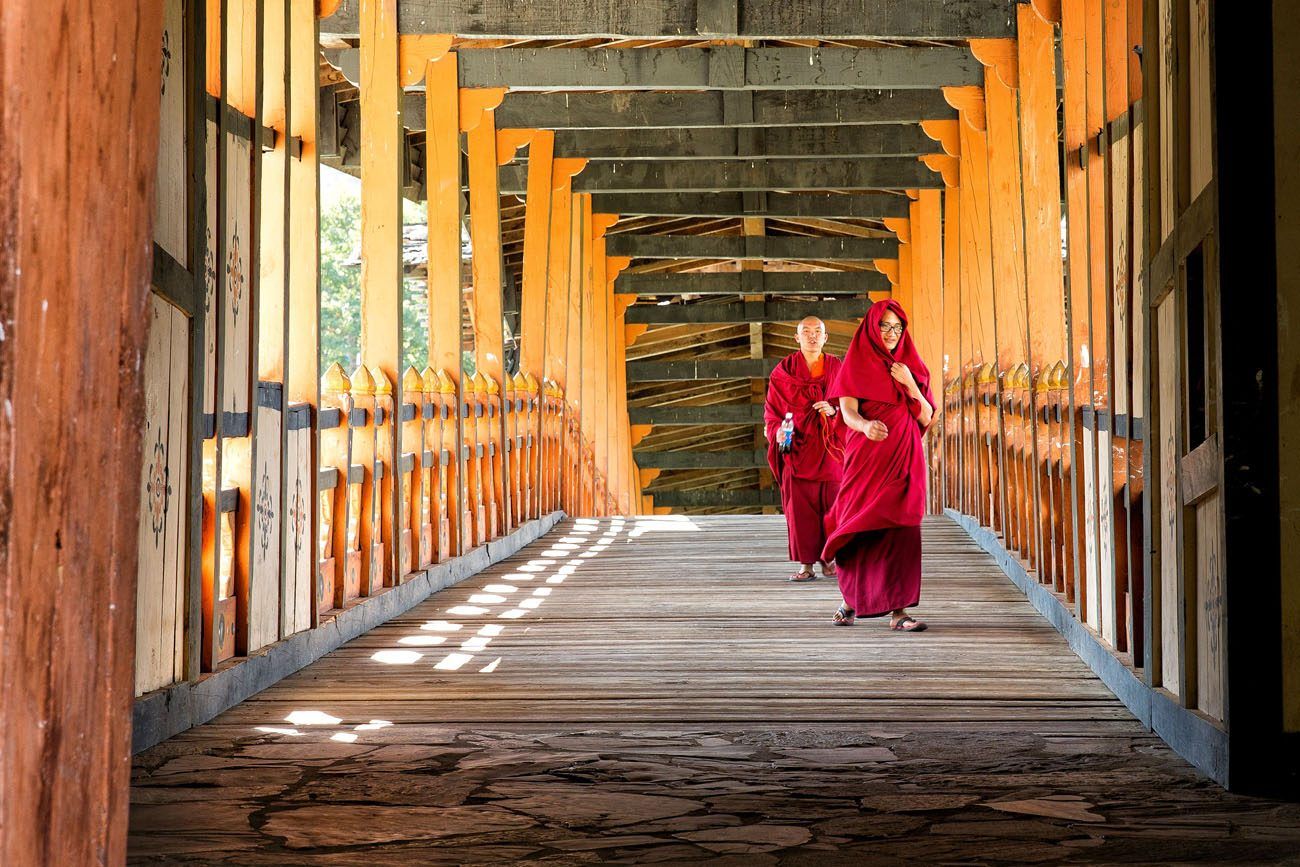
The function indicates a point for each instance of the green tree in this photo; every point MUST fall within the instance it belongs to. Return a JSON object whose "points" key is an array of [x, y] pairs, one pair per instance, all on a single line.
{"points": [[340, 285]]}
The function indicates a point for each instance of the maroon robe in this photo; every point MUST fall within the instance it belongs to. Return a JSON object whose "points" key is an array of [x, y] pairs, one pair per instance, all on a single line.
{"points": [[875, 536], [808, 474]]}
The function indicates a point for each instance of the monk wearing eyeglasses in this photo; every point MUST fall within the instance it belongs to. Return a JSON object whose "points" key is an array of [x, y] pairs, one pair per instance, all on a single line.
{"points": [[883, 390]]}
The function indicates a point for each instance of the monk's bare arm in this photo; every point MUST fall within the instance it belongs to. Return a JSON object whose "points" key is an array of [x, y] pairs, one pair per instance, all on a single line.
{"points": [[873, 430], [926, 415]]}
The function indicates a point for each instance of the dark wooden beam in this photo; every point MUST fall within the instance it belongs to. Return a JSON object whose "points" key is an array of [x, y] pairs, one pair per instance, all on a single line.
{"points": [[780, 142], [714, 497], [847, 310], [728, 413], [820, 173], [748, 19], [671, 460], [753, 283], [829, 206], [663, 371], [710, 109], [760, 248], [721, 68]]}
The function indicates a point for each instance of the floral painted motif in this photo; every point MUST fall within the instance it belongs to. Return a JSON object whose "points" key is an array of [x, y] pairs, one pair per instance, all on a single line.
{"points": [[157, 488]]}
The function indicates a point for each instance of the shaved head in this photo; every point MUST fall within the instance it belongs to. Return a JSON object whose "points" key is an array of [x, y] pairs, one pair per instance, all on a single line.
{"points": [[811, 334], [810, 322]]}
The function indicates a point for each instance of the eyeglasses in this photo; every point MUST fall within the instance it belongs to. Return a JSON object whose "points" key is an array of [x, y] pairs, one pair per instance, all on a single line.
{"points": [[891, 329]]}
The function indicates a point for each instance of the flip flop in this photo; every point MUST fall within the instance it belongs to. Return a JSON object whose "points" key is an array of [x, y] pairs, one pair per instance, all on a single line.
{"points": [[802, 577], [908, 624], [844, 616]]}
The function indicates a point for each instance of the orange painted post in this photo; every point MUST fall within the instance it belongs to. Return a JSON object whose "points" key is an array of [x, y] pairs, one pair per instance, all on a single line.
{"points": [[335, 461], [485, 234], [573, 463], [951, 360], [442, 148], [431, 547], [386, 481], [360, 480], [1082, 562], [1007, 247], [533, 324]]}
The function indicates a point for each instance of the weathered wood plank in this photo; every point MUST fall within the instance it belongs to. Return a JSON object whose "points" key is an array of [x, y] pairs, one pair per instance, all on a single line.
{"points": [[749, 249], [863, 206], [664, 69], [850, 310], [690, 415], [676, 460], [650, 110], [745, 368], [753, 283], [860, 19], [779, 142], [694, 176]]}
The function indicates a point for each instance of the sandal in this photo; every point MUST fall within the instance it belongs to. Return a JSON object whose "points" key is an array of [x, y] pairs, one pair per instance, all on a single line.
{"points": [[907, 623], [802, 577], [844, 616], [828, 569]]}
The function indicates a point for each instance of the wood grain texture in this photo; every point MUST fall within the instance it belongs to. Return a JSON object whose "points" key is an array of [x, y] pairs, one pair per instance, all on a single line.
{"points": [[74, 294]]}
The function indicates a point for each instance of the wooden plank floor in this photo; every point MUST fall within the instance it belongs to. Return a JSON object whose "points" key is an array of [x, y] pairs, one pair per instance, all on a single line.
{"points": [[653, 690]]}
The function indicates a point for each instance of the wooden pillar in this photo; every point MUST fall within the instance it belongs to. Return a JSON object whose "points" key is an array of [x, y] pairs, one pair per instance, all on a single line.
{"points": [[74, 304], [1082, 475], [1044, 278], [533, 318], [587, 354], [927, 275], [485, 233], [558, 319], [442, 146], [571, 462], [952, 364], [1007, 246]]}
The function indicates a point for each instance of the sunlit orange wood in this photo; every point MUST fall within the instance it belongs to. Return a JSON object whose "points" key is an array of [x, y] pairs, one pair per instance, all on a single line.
{"points": [[946, 133], [1000, 56], [415, 51], [969, 102], [946, 166], [442, 155], [485, 234], [476, 103], [537, 239]]}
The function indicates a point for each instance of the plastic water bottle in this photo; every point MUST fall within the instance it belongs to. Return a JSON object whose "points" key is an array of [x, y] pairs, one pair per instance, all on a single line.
{"points": [[785, 437]]}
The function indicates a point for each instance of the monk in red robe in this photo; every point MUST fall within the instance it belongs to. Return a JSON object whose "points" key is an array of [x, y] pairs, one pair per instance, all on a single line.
{"points": [[883, 389], [809, 472]]}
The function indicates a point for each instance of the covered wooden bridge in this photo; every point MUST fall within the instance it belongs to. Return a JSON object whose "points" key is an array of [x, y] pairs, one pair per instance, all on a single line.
{"points": [[517, 594]]}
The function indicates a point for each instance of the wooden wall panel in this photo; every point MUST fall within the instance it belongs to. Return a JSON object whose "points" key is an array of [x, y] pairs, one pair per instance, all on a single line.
{"points": [[295, 604], [1169, 397], [210, 273], [236, 316], [266, 520], [1200, 111], [1211, 611], [161, 574], [170, 193]]}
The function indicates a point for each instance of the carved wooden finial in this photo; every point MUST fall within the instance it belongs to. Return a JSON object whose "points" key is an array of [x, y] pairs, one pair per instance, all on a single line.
{"points": [[362, 381]]}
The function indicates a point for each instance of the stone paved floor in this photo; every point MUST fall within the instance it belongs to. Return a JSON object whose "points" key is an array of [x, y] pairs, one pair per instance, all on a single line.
{"points": [[654, 710]]}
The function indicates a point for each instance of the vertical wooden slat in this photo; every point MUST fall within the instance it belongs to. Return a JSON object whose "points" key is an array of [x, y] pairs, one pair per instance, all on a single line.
{"points": [[533, 313], [442, 149]]}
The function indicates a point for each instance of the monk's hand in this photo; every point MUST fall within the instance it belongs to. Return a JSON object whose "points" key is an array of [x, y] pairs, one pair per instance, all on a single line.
{"points": [[824, 408], [875, 430], [901, 372]]}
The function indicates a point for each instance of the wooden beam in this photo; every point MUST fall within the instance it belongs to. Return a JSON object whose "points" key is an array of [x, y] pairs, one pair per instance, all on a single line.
{"points": [[729, 413], [744, 368], [674, 460], [715, 498], [849, 310], [721, 67], [850, 140], [858, 206], [756, 19], [77, 169], [754, 283], [751, 249], [381, 258], [442, 154], [650, 110], [684, 176]]}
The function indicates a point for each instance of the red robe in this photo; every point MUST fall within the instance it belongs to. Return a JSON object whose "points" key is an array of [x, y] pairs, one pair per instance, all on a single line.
{"points": [[875, 535], [808, 474]]}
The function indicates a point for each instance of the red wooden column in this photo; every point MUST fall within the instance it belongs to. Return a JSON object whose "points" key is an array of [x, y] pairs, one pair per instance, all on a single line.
{"points": [[73, 304]]}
